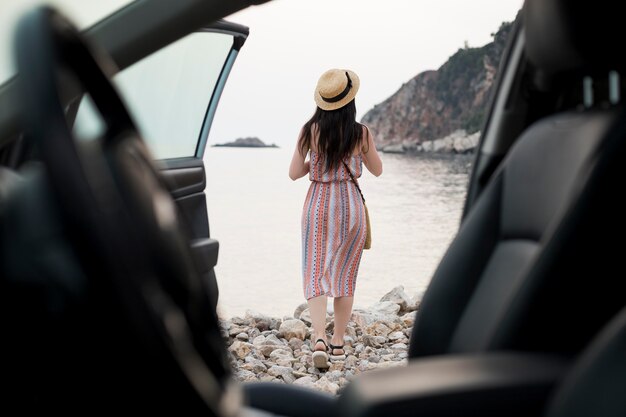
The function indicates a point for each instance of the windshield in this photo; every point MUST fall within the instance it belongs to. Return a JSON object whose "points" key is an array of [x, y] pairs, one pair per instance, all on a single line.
{"points": [[83, 13]]}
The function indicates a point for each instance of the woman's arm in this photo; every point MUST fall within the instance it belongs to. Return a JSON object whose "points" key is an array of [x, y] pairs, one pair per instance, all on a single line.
{"points": [[298, 168], [371, 159]]}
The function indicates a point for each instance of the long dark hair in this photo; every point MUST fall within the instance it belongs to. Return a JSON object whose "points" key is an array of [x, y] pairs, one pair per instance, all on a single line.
{"points": [[339, 134]]}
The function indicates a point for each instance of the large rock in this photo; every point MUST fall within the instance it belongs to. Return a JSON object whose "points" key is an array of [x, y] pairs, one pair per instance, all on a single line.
{"points": [[410, 145], [350, 362], [293, 328], [306, 381], [240, 349], [456, 142], [363, 318], [377, 329], [253, 332], [384, 311], [282, 357], [334, 375], [235, 330], [275, 325], [259, 340], [299, 310], [417, 298], [373, 341], [284, 372], [255, 365], [408, 319], [272, 338], [397, 148], [258, 320], [240, 321], [365, 365], [282, 351], [467, 143], [267, 344], [399, 346], [385, 308], [323, 384], [245, 375], [351, 332], [336, 366], [427, 146], [396, 336], [399, 297], [305, 316], [443, 145], [295, 343]]}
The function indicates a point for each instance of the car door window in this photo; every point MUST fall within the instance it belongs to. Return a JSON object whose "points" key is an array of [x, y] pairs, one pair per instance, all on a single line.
{"points": [[168, 93]]}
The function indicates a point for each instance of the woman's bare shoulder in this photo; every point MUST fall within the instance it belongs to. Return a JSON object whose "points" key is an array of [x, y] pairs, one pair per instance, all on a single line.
{"points": [[366, 130], [365, 138]]}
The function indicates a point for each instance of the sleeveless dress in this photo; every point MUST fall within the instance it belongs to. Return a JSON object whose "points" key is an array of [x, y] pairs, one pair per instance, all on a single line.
{"points": [[333, 230]]}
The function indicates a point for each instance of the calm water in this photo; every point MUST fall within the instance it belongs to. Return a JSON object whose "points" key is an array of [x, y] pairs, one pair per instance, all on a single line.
{"points": [[254, 211]]}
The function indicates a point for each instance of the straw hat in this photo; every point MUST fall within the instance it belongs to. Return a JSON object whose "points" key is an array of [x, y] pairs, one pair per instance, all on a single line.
{"points": [[336, 88]]}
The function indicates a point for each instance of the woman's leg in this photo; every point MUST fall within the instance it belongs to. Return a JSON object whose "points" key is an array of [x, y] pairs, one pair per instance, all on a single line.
{"points": [[317, 308], [343, 311]]}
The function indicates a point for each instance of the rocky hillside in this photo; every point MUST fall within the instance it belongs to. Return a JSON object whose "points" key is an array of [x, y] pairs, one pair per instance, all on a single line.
{"points": [[435, 104]]}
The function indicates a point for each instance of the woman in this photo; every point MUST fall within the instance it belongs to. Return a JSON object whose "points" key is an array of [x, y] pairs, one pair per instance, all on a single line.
{"points": [[333, 218]]}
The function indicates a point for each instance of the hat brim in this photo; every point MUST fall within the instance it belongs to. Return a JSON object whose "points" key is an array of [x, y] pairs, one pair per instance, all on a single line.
{"points": [[356, 83]]}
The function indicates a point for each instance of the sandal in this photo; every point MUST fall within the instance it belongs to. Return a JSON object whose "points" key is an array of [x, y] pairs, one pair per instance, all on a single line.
{"points": [[320, 357], [337, 357]]}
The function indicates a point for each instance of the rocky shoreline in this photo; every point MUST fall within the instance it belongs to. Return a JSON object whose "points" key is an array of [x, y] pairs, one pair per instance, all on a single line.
{"points": [[263, 348], [459, 142]]}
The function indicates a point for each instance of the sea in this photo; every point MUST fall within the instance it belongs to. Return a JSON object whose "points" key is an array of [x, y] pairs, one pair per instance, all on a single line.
{"points": [[255, 209]]}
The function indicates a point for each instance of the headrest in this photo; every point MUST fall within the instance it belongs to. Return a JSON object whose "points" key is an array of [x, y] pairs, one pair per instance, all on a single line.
{"points": [[584, 36]]}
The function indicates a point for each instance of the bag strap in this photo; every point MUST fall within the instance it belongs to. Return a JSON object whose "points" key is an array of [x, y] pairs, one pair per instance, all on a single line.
{"points": [[354, 180]]}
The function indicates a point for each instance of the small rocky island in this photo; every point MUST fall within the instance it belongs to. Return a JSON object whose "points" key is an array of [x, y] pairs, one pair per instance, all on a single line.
{"points": [[251, 142]]}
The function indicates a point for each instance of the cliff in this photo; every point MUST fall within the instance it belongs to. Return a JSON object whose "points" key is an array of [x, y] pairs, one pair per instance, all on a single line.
{"points": [[437, 103]]}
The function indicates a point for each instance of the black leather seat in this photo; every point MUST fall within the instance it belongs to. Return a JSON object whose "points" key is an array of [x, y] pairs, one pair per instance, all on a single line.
{"points": [[533, 250], [520, 268], [596, 384], [493, 277], [499, 383]]}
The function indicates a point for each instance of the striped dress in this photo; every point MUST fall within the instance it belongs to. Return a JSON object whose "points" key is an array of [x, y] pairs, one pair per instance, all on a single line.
{"points": [[333, 230]]}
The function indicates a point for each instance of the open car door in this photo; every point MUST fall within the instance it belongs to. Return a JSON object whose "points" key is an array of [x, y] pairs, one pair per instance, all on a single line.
{"points": [[173, 95]]}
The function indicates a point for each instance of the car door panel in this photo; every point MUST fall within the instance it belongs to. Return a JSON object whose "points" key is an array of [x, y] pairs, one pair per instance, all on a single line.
{"points": [[504, 120], [186, 181], [173, 95], [186, 177]]}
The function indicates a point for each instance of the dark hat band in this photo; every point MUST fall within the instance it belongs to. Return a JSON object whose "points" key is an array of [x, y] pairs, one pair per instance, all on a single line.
{"points": [[341, 95]]}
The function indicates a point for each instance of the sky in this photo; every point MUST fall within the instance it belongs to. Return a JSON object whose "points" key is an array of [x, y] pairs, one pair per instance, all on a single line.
{"points": [[269, 93]]}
